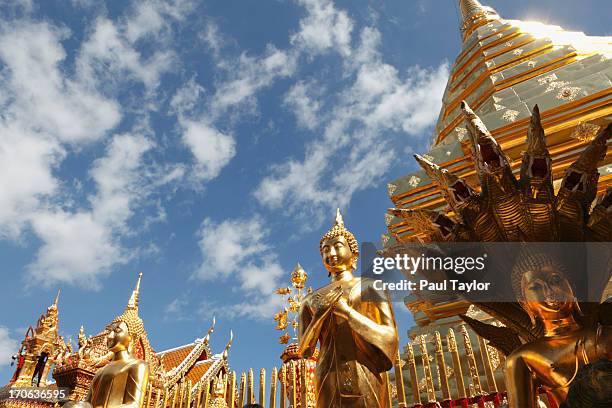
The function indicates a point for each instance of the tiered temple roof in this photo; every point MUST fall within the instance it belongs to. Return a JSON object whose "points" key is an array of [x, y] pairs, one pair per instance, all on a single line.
{"points": [[193, 361], [505, 67]]}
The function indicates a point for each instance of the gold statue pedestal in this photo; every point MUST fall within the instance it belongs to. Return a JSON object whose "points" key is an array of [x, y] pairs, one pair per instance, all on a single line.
{"points": [[299, 372], [76, 377]]}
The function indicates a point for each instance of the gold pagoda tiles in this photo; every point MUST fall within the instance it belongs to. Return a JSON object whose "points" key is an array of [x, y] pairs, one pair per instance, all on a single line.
{"points": [[506, 67]]}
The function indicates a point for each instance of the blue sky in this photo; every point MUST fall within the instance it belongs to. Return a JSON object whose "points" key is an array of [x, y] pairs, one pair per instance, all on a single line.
{"points": [[207, 144]]}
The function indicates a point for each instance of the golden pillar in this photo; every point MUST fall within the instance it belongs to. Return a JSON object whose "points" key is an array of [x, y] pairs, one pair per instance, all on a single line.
{"points": [[414, 379], [471, 359], [486, 359], [431, 391], [452, 346], [442, 368]]}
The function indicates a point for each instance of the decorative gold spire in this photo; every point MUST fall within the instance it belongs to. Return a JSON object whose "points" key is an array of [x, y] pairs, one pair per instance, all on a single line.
{"points": [[339, 229], [294, 300], [228, 345], [298, 277], [474, 15], [130, 315], [55, 303], [133, 302]]}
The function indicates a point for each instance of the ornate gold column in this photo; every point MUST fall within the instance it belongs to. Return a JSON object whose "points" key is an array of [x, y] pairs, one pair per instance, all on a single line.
{"points": [[399, 381], [452, 346], [442, 368], [262, 387], [431, 391], [471, 358], [414, 379], [486, 359], [273, 380]]}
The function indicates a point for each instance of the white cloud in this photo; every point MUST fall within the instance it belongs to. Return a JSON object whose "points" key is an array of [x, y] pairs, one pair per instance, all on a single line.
{"points": [[229, 245], [117, 178], [236, 250], [108, 57], [247, 75], [257, 308], [213, 39], [176, 309], [8, 346], [212, 149], [304, 101], [81, 247], [185, 101], [357, 146], [324, 28], [45, 112], [52, 108], [26, 161], [76, 249], [41, 96]]}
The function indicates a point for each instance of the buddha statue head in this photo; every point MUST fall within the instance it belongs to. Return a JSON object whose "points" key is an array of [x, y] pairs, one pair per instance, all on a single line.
{"points": [[118, 338], [541, 284], [339, 248]]}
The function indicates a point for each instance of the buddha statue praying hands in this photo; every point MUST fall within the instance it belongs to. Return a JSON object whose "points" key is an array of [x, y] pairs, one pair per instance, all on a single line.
{"points": [[358, 337], [540, 282]]}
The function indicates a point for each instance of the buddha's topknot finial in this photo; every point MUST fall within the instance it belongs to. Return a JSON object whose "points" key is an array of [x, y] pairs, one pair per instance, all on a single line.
{"points": [[338, 229]]}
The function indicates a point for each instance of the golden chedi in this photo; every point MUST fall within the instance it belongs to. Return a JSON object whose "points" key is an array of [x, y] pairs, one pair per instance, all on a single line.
{"points": [[354, 325]]}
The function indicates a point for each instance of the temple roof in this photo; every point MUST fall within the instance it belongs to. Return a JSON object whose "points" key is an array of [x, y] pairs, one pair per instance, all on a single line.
{"points": [[173, 357], [191, 361], [201, 369], [504, 68]]}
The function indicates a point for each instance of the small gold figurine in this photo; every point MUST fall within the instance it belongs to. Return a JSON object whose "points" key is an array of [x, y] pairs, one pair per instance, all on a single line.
{"points": [[358, 337]]}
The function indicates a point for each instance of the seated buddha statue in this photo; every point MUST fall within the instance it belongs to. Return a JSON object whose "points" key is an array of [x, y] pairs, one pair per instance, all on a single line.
{"points": [[123, 381], [354, 325], [568, 344]]}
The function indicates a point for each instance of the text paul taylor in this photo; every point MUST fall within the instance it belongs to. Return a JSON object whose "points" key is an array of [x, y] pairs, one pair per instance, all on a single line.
{"points": [[423, 284]]}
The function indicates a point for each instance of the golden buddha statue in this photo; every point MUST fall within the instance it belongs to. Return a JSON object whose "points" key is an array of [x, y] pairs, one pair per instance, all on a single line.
{"points": [[123, 381], [354, 325], [553, 360]]}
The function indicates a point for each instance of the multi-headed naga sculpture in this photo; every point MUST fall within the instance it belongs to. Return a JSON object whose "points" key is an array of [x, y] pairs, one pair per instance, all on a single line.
{"points": [[548, 335]]}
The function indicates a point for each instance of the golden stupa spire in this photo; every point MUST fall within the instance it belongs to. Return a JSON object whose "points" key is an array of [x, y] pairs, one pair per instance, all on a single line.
{"points": [[473, 15], [133, 302], [56, 301]]}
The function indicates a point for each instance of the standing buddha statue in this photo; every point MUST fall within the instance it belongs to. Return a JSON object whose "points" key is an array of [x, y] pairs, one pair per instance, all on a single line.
{"points": [[354, 325]]}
